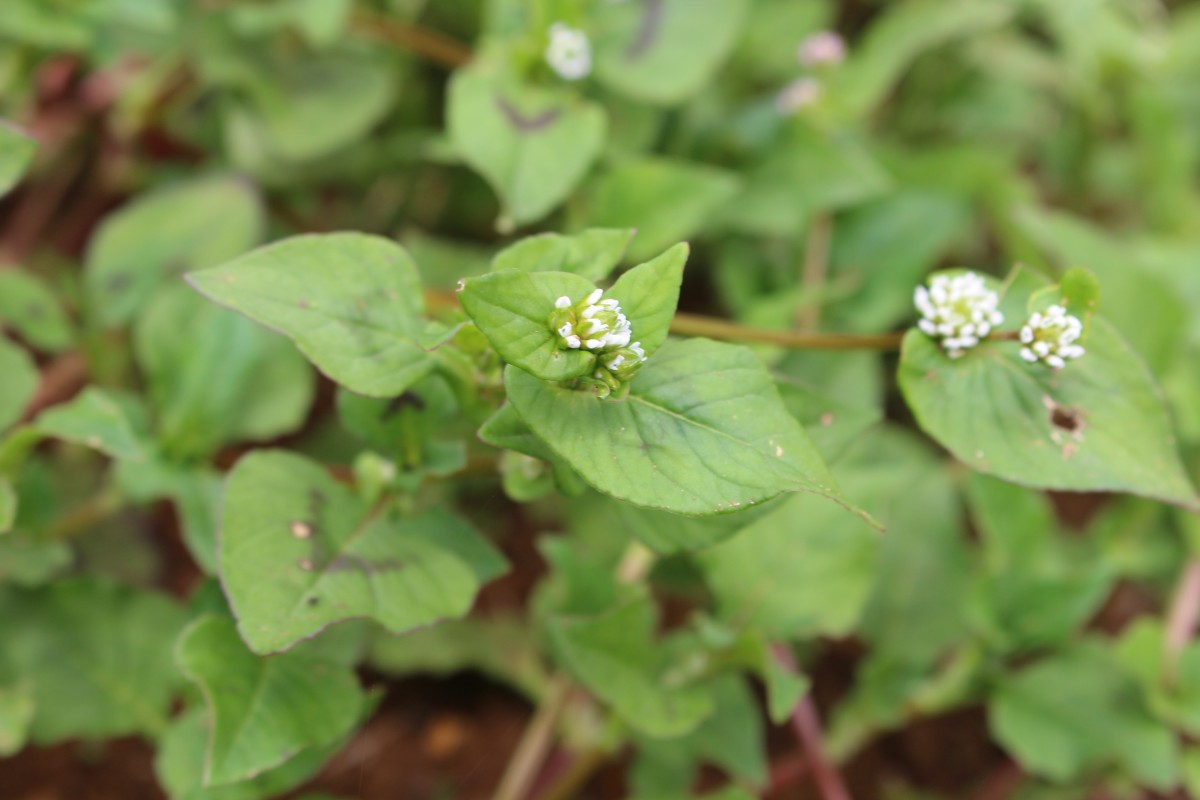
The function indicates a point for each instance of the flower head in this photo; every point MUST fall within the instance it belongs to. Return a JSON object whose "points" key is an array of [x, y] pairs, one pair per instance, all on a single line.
{"points": [[1049, 336], [799, 94], [958, 309], [597, 324], [822, 49], [569, 53]]}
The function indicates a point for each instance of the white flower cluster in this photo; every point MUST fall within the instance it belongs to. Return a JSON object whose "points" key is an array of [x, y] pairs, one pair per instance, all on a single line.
{"points": [[599, 325], [569, 53], [959, 309], [1050, 336]]}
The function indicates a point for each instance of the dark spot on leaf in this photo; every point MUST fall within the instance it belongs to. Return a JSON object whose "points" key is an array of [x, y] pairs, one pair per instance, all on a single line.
{"points": [[312, 601], [119, 282], [396, 404], [347, 563], [316, 496], [652, 19], [1066, 419], [523, 123], [34, 311]]}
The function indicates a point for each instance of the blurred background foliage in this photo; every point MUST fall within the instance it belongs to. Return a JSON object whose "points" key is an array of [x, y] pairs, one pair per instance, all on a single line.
{"points": [[177, 134]]}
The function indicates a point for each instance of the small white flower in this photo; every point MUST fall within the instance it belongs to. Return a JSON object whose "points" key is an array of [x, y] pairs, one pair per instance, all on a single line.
{"points": [[958, 309], [799, 94], [569, 53], [1050, 337], [822, 49]]}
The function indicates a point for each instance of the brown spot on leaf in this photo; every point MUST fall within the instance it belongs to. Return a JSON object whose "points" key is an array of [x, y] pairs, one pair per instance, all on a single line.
{"points": [[301, 530]]}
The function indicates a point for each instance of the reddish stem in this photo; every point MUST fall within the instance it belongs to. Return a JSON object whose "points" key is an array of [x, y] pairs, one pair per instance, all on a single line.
{"points": [[808, 730]]}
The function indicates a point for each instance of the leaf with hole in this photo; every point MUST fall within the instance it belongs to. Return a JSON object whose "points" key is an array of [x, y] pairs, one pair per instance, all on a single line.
{"points": [[1099, 424]]}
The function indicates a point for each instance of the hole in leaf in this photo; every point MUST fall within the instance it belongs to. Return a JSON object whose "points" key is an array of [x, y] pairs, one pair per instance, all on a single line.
{"points": [[1066, 419]]}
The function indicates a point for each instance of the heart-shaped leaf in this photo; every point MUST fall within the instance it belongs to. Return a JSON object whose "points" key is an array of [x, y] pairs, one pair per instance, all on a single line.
{"points": [[1099, 424], [703, 431], [594, 253], [532, 145]]}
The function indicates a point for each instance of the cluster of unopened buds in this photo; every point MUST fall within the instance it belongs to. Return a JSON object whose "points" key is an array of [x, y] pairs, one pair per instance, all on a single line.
{"points": [[959, 309], [1051, 336], [818, 52], [597, 325]]}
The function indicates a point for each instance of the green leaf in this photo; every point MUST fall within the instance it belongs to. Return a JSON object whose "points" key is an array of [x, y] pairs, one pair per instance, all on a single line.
{"points": [[593, 254], [803, 570], [195, 491], [18, 382], [1077, 710], [8, 505], [264, 709], [731, 738], [215, 377], [1170, 681], [16, 154], [351, 302], [532, 145], [306, 108], [512, 309], [17, 707], [29, 307], [164, 233], [1080, 292], [98, 656], [616, 657], [665, 51], [1100, 424], [300, 552], [665, 200], [1033, 591], [96, 419], [504, 648], [807, 172], [897, 37], [649, 294], [180, 763], [702, 432]]}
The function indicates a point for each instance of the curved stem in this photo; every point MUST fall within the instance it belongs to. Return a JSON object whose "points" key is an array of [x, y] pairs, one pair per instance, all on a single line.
{"points": [[695, 325], [430, 44]]}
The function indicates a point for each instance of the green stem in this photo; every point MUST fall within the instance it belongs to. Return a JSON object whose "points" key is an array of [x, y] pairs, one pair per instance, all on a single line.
{"points": [[814, 270], [695, 325], [99, 507]]}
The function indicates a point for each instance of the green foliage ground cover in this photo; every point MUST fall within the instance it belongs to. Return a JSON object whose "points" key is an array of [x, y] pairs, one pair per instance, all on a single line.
{"points": [[316, 275]]}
